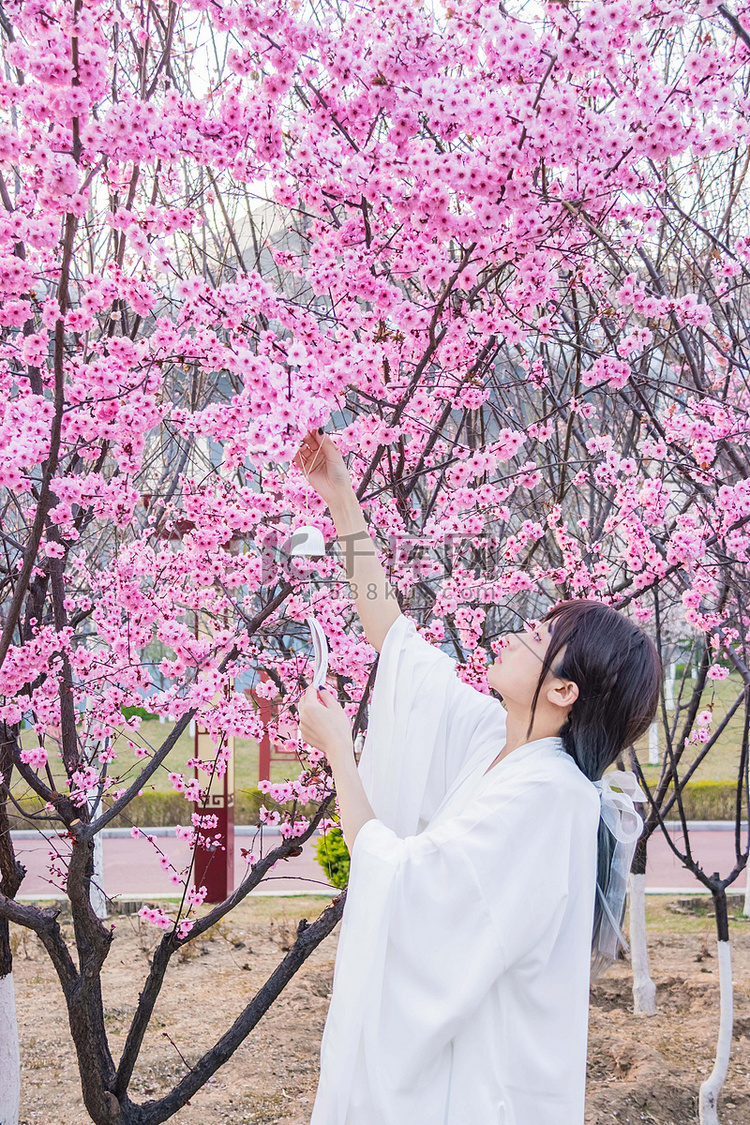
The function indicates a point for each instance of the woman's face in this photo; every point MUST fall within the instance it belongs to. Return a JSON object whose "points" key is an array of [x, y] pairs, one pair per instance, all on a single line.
{"points": [[515, 672]]}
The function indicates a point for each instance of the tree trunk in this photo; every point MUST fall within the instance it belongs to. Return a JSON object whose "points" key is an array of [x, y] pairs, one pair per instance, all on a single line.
{"points": [[711, 1088], [11, 877], [644, 989], [10, 1069]]}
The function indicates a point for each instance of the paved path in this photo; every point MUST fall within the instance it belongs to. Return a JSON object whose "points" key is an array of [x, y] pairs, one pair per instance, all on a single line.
{"points": [[712, 848], [132, 868]]}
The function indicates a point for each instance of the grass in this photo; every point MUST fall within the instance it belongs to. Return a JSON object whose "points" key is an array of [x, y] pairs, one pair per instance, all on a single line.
{"points": [[291, 908], [721, 763], [659, 918], [258, 908], [152, 734]]}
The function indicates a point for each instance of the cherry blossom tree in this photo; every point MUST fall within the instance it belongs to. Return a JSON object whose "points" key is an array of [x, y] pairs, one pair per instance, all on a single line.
{"points": [[500, 252], [703, 730]]}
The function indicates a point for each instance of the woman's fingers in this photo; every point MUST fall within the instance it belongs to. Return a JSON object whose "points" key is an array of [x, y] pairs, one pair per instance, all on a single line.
{"points": [[303, 454], [307, 447], [309, 452]]}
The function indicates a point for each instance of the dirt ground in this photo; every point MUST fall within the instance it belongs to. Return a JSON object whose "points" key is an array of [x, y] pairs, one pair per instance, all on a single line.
{"points": [[640, 1069]]}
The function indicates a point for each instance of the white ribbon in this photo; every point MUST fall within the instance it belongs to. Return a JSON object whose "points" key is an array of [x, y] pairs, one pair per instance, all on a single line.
{"points": [[625, 823], [618, 811]]}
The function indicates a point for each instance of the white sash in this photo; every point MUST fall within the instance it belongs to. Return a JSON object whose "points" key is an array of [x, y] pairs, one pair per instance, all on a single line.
{"points": [[626, 825]]}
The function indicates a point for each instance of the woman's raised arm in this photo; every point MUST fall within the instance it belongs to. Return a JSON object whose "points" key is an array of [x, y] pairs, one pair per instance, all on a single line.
{"points": [[374, 597]]}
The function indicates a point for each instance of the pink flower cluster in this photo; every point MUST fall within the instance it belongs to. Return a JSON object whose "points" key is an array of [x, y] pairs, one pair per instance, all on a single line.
{"points": [[35, 756], [155, 916], [196, 895], [480, 297], [298, 828]]}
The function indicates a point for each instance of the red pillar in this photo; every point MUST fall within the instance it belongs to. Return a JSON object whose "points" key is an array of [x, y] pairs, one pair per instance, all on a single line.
{"points": [[266, 709], [213, 866]]}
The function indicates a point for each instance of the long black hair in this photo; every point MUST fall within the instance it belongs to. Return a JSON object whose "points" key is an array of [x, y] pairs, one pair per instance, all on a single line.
{"points": [[619, 675]]}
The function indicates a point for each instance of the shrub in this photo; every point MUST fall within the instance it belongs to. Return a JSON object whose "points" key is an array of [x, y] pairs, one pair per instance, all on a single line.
{"points": [[707, 800], [156, 809], [333, 857], [703, 800], [159, 809]]}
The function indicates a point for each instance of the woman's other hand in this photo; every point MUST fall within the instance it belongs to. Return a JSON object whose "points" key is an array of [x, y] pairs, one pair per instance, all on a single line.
{"points": [[323, 723], [323, 466]]}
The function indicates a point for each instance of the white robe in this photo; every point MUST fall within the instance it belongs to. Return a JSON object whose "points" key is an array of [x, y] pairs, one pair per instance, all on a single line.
{"points": [[461, 982]]}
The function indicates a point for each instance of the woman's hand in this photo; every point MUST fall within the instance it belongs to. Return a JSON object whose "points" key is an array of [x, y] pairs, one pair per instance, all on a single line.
{"points": [[323, 723], [324, 467]]}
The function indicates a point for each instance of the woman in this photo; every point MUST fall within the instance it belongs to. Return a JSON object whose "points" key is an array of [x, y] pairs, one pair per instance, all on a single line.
{"points": [[482, 871]]}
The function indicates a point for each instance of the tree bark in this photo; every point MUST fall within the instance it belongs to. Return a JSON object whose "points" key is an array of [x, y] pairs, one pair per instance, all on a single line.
{"points": [[10, 1070], [11, 877], [644, 989], [711, 1088], [309, 937]]}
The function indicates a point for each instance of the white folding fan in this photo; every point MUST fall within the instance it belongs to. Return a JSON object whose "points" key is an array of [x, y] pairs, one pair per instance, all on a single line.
{"points": [[308, 540]]}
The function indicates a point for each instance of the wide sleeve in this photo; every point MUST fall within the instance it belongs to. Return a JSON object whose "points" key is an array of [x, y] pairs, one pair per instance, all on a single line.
{"points": [[432, 921], [424, 727]]}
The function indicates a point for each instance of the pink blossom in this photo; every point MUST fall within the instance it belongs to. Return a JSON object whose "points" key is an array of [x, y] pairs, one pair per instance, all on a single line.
{"points": [[35, 756], [467, 185], [196, 895]]}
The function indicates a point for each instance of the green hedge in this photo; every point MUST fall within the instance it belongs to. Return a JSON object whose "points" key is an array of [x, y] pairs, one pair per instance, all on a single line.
{"points": [[157, 810], [707, 800], [703, 800]]}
